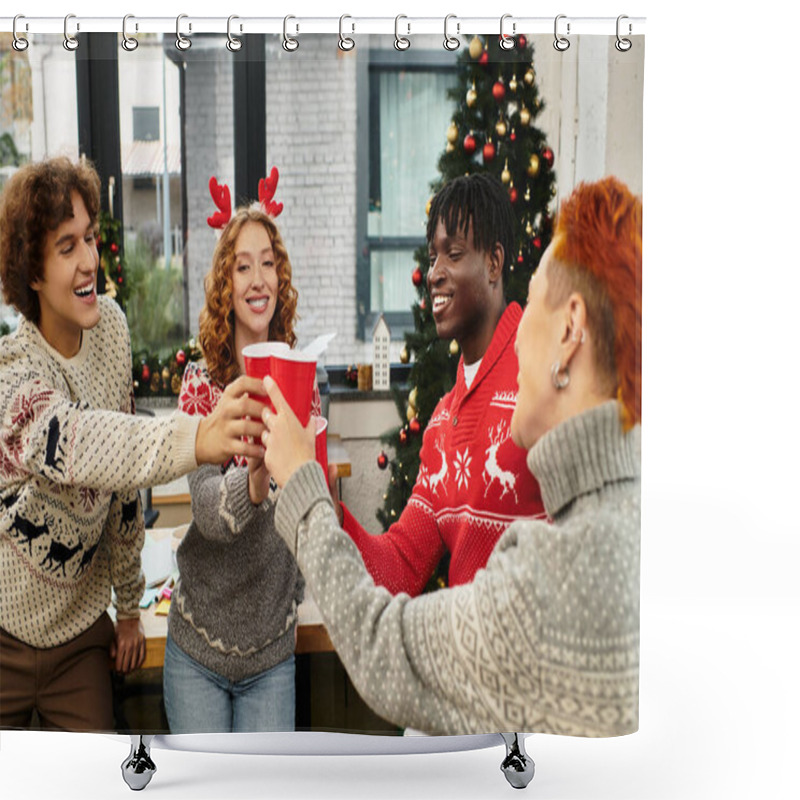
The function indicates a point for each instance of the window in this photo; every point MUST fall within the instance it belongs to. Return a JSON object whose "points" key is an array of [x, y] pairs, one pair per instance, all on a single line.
{"points": [[407, 120], [145, 124]]}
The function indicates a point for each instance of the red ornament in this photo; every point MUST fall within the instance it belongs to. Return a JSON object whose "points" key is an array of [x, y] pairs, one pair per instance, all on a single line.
{"points": [[547, 155], [383, 460], [520, 259], [416, 277], [484, 59], [119, 280], [513, 194], [488, 152], [180, 357], [114, 247], [145, 373], [414, 426], [469, 144], [522, 41], [513, 136], [498, 91], [537, 242], [422, 304], [403, 436]]}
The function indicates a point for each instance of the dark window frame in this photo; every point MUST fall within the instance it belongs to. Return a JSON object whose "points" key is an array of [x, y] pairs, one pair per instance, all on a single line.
{"points": [[368, 177]]}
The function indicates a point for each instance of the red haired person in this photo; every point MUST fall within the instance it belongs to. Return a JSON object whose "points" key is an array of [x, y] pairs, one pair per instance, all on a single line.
{"points": [[546, 637], [229, 660], [72, 456]]}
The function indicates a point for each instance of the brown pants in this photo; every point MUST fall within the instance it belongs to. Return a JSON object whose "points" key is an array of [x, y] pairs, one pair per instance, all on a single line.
{"points": [[69, 685]]}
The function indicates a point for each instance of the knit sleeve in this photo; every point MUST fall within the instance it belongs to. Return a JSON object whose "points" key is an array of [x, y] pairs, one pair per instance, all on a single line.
{"points": [[403, 558], [45, 433], [221, 505], [125, 534], [433, 662]]}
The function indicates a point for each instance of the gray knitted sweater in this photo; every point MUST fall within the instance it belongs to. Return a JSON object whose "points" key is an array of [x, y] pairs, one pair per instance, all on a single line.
{"points": [[234, 609], [545, 639]]}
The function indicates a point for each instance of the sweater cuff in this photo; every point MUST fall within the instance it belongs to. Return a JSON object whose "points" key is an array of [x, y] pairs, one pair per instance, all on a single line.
{"points": [[237, 501], [185, 441], [302, 492]]}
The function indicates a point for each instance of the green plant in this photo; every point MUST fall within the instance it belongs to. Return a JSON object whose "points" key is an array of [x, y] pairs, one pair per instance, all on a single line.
{"points": [[154, 304]]}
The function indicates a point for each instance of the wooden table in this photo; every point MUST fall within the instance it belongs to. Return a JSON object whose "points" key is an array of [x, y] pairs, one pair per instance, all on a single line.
{"points": [[312, 637]]}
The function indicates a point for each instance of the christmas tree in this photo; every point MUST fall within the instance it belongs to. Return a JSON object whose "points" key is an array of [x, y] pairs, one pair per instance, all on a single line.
{"points": [[492, 130]]}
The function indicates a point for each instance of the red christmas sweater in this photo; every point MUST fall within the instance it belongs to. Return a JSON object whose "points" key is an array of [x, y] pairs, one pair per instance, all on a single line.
{"points": [[473, 481]]}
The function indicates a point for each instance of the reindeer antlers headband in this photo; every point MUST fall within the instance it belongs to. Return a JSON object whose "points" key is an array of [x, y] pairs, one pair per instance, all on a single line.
{"points": [[221, 195]]}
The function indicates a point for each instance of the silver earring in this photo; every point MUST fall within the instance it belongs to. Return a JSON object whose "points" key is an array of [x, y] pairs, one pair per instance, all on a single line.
{"points": [[582, 338], [560, 377]]}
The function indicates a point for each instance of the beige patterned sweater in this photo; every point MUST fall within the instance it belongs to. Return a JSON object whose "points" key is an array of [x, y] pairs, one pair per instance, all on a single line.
{"points": [[546, 637], [72, 457]]}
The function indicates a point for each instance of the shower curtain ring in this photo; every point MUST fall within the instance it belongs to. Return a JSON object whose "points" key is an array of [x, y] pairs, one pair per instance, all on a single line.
{"points": [[70, 42], [451, 42], [623, 45], [129, 43], [233, 44], [20, 43], [290, 44], [401, 42], [507, 42], [181, 42], [345, 42], [561, 43]]}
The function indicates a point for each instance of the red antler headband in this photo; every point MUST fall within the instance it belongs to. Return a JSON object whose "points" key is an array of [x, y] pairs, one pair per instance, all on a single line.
{"points": [[221, 195]]}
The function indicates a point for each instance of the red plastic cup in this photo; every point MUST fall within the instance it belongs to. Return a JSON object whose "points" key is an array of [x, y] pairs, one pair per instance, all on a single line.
{"points": [[321, 444], [258, 361], [294, 373]]}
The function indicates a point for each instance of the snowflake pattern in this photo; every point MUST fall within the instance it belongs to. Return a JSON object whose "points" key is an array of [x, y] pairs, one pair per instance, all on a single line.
{"points": [[461, 464], [198, 394]]}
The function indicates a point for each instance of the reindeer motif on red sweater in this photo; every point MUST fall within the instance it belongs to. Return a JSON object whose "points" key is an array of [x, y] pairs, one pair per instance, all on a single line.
{"points": [[506, 479]]}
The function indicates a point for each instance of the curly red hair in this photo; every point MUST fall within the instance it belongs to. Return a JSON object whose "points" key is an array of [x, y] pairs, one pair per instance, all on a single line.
{"points": [[217, 322], [597, 245]]}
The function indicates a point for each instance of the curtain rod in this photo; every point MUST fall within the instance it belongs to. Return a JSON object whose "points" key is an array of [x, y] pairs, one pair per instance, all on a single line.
{"points": [[348, 25]]}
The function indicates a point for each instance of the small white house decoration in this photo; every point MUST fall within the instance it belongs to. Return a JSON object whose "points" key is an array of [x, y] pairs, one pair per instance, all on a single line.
{"points": [[381, 337]]}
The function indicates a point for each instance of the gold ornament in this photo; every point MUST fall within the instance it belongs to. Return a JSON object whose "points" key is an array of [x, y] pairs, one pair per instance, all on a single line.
{"points": [[411, 412], [475, 48], [155, 383], [412, 397], [175, 384], [428, 207], [533, 166], [528, 227], [165, 375], [512, 84], [404, 351], [524, 116], [452, 133], [528, 77], [505, 175], [527, 194], [472, 96], [501, 128], [448, 148], [453, 347]]}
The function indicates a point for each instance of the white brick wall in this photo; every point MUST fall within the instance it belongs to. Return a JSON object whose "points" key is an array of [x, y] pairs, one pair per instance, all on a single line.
{"points": [[311, 137]]}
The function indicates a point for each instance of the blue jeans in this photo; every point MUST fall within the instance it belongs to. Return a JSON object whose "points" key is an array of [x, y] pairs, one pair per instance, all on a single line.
{"points": [[198, 700]]}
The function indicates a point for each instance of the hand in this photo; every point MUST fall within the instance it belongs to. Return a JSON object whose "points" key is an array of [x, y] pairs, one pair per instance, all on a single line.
{"points": [[257, 480], [333, 488], [129, 646], [221, 434], [288, 445]]}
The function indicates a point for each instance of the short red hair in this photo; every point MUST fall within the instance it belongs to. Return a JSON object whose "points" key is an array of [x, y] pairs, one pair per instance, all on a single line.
{"points": [[599, 232]]}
